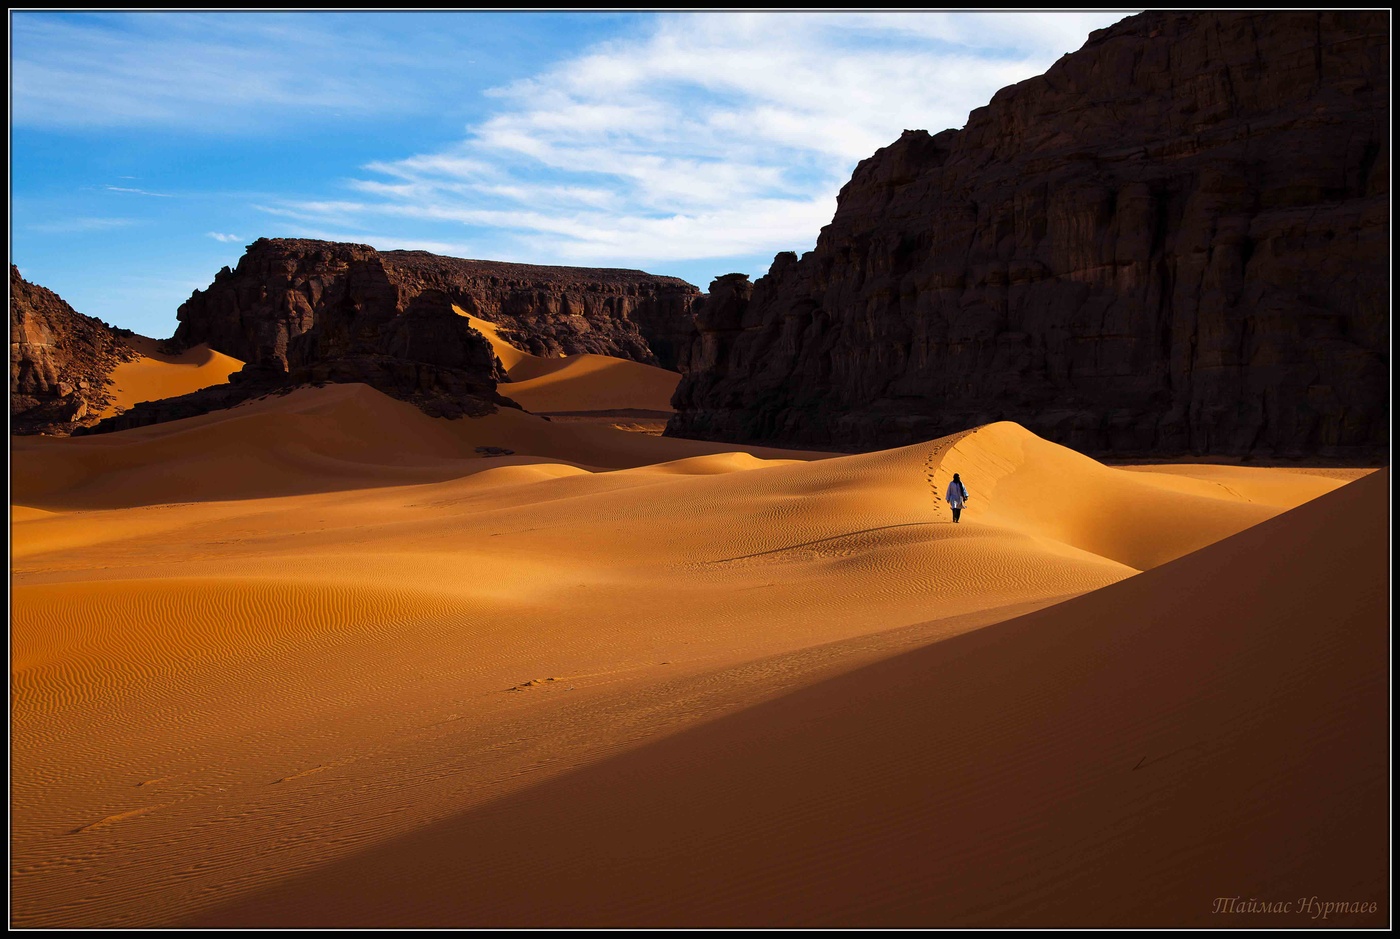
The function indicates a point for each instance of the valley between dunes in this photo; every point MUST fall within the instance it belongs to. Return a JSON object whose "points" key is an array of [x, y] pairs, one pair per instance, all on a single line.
{"points": [[316, 660]]}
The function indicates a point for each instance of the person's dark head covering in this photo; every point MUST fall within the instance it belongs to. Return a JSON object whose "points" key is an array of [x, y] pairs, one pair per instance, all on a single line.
{"points": [[957, 477]]}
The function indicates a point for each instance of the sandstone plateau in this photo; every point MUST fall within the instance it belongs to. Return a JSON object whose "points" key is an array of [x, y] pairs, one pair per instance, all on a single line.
{"points": [[291, 301], [59, 361], [1174, 241]]}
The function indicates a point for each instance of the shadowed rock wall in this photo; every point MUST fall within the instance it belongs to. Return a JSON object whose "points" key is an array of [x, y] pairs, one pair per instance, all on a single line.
{"points": [[1174, 241]]}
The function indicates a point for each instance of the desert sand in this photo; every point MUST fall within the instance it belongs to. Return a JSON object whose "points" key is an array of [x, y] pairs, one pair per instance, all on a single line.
{"points": [[315, 660], [154, 374], [579, 384]]}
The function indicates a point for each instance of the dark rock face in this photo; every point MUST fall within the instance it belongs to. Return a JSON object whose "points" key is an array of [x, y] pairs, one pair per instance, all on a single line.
{"points": [[295, 301], [309, 313], [1174, 241], [60, 361], [426, 355], [719, 318]]}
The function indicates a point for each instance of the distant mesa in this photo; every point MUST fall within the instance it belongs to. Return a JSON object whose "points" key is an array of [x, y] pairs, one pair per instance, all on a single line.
{"points": [[1174, 241]]}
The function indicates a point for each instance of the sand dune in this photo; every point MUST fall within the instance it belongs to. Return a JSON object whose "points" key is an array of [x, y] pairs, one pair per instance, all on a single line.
{"points": [[1141, 519], [596, 383], [317, 439], [509, 355], [575, 383], [156, 375], [1279, 486], [1214, 728], [257, 644]]}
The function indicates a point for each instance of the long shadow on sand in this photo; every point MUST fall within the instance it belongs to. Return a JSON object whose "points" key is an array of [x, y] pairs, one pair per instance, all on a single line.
{"points": [[808, 544]]}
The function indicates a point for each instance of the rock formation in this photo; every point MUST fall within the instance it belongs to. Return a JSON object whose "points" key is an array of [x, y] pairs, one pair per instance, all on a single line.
{"points": [[424, 354], [1174, 241], [294, 301], [309, 312], [60, 361]]}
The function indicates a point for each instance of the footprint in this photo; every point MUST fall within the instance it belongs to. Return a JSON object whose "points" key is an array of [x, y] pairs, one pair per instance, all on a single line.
{"points": [[532, 683], [446, 720], [306, 772], [114, 819]]}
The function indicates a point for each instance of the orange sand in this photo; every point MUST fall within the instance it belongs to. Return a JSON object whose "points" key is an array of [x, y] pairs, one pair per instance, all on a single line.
{"points": [[1123, 759], [574, 383], [156, 375], [314, 660]]}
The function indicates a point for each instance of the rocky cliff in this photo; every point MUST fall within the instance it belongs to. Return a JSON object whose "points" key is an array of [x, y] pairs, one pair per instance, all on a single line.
{"points": [[60, 361], [1174, 241], [293, 301]]}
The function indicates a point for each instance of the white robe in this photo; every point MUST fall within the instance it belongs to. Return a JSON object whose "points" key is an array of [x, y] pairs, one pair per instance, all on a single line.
{"points": [[955, 495]]}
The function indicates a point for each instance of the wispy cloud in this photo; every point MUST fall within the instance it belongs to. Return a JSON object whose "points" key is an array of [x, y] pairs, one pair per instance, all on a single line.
{"points": [[220, 236], [711, 135], [137, 192], [324, 212], [83, 224], [231, 72]]}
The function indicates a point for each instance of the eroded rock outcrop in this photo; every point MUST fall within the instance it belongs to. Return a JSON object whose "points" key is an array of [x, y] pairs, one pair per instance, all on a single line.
{"points": [[294, 301], [1174, 241], [310, 312], [60, 361], [425, 354]]}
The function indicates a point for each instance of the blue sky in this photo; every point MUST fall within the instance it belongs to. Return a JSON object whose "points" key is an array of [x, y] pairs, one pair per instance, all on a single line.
{"points": [[147, 149]]}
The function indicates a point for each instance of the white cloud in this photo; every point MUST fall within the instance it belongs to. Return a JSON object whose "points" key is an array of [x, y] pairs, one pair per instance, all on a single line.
{"points": [[220, 236], [712, 135], [137, 192], [332, 212], [82, 224]]}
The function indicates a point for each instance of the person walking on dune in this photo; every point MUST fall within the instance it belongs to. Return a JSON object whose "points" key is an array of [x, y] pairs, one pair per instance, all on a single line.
{"points": [[957, 496]]}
